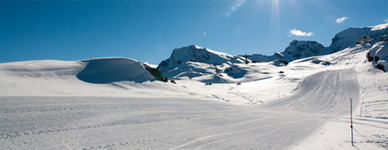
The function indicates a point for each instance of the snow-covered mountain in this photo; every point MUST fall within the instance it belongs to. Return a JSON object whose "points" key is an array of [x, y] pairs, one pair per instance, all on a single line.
{"points": [[207, 65], [194, 61], [194, 53], [354, 35], [344, 39], [296, 50]]}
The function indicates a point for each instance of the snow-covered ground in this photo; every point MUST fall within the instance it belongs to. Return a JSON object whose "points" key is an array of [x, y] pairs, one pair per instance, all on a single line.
{"points": [[114, 103], [370, 124], [170, 123], [368, 134]]}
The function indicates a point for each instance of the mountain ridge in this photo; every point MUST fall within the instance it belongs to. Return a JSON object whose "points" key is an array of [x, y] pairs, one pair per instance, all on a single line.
{"points": [[193, 61]]}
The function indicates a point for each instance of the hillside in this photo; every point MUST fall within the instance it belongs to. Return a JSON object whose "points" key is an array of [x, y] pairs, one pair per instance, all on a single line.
{"points": [[90, 77]]}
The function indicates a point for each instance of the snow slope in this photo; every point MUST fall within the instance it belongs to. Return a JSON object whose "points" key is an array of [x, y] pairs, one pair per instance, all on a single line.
{"points": [[370, 124], [164, 123], [325, 94], [116, 77]]}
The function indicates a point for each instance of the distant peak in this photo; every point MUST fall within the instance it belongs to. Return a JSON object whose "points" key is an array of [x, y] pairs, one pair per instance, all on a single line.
{"points": [[193, 46], [295, 42]]}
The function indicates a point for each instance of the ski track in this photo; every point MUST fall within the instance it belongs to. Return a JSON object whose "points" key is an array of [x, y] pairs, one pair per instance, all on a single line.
{"points": [[175, 123], [228, 133]]}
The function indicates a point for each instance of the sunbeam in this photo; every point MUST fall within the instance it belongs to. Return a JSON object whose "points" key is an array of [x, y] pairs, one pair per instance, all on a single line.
{"points": [[236, 5], [275, 16]]}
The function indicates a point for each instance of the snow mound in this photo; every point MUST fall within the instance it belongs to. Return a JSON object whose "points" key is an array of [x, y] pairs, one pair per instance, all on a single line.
{"points": [[107, 70], [296, 50], [59, 78], [354, 35]]}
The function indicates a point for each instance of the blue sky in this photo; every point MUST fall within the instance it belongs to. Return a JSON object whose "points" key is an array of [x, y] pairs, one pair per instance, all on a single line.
{"points": [[148, 30]]}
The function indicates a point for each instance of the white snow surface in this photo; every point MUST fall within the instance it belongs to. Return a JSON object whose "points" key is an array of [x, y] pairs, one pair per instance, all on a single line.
{"points": [[168, 122], [304, 105]]}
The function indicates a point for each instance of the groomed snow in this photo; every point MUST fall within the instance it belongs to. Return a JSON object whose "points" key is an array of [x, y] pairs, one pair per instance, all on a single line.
{"points": [[167, 123]]}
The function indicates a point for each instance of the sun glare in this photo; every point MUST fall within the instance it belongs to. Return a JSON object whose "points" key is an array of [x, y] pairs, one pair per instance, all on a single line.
{"points": [[236, 5]]}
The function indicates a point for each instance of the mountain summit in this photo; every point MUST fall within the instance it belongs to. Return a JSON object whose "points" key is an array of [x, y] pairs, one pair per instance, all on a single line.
{"points": [[194, 53], [193, 61]]}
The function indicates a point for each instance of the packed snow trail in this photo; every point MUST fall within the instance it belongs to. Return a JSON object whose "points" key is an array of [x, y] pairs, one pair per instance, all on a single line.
{"points": [[325, 93], [174, 123], [322, 96]]}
